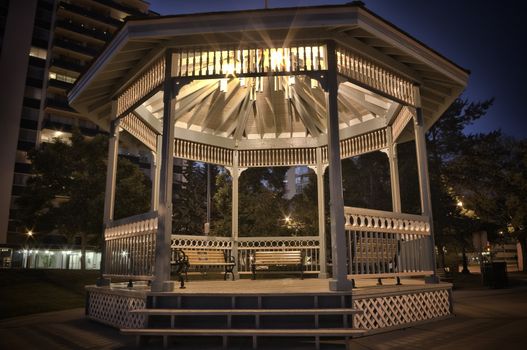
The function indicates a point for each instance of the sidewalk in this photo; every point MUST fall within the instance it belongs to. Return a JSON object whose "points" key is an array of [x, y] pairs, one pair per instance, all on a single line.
{"points": [[485, 319]]}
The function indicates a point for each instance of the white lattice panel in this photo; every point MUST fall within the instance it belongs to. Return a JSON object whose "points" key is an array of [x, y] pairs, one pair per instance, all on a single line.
{"points": [[114, 310], [396, 310]]}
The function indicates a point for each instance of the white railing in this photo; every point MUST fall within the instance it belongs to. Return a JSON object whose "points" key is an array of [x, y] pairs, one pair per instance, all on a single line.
{"points": [[130, 247], [192, 242], [385, 244], [247, 246]]}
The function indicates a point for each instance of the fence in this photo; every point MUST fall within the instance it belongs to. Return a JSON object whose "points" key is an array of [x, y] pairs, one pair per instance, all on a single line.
{"points": [[386, 244], [130, 247]]}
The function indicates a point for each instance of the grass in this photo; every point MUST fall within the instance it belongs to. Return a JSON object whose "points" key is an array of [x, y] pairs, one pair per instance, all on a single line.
{"points": [[24, 292]]}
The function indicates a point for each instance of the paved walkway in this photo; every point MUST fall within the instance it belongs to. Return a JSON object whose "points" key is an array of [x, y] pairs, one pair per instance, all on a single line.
{"points": [[485, 319]]}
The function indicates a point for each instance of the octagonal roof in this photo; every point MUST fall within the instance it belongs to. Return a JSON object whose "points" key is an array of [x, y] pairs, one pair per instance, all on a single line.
{"points": [[277, 112]]}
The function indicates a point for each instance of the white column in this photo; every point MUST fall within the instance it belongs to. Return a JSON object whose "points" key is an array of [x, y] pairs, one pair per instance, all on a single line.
{"points": [[319, 171], [339, 280], [155, 172], [161, 280], [111, 170], [109, 194], [424, 182], [235, 174], [394, 172]]}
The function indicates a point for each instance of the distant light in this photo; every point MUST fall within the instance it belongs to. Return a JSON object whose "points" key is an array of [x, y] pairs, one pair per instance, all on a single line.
{"points": [[58, 133], [460, 204], [124, 253], [287, 219], [29, 233]]}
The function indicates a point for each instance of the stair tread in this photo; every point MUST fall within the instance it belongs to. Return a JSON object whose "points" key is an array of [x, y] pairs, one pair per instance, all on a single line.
{"points": [[312, 311], [244, 331]]}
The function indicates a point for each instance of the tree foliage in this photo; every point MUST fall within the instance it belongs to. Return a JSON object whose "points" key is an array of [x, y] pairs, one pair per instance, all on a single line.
{"points": [[66, 190]]}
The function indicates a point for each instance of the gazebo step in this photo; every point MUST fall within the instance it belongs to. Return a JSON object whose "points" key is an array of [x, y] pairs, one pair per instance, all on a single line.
{"points": [[313, 311], [141, 333], [305, 332]]}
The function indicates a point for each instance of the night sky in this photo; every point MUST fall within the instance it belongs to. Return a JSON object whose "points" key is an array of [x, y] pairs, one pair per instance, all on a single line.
{"points": [[487, 37]]}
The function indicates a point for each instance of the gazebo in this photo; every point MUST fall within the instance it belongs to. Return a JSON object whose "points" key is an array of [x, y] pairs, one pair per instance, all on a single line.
{"points": [[277, 87]]}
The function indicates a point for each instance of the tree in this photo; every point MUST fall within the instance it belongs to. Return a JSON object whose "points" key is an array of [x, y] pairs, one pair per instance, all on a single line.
{"points": [[66, 190], [515, 202], [190, 198], [446, 142]]}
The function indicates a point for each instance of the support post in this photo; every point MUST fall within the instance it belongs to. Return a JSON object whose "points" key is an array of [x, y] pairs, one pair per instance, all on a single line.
{"points": [[155, 171], [339, 280], [394, 172], [209, 203], [319, 170], [424, 182], [235, 174], [161, 280], [109, 194]]}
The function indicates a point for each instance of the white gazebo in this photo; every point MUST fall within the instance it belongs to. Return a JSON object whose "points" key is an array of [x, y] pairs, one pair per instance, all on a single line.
{"points": [[281, 87]]}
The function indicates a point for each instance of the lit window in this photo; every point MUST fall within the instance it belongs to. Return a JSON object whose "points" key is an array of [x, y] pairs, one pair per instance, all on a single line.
{"points": [[38, 52]]}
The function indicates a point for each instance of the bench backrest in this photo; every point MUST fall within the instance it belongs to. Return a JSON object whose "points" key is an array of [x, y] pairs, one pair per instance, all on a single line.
{"points": [[278, 257], [205, 256], [370, 250]]}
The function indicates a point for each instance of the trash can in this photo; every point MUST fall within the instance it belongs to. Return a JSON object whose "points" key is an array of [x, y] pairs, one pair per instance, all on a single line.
{"points": [[494, 274]]}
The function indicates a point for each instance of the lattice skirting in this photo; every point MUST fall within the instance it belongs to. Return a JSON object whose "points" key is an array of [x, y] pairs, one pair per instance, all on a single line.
{"points": [[400, 310], [114, 309]]}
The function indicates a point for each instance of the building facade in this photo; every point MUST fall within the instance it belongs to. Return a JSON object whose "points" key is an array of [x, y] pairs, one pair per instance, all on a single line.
{"points": [[45, 46]]}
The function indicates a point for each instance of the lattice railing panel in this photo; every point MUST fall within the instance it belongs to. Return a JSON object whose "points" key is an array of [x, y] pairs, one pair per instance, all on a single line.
{"points": [[114, 310], [203, 153], [366, 72], [247, 246], [142, 86], [138, 129], [130, 247], [396, 310]]}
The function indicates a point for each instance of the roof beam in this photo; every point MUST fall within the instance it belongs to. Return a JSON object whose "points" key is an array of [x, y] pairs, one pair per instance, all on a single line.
{"points": [[148, 118], [359, 97]]}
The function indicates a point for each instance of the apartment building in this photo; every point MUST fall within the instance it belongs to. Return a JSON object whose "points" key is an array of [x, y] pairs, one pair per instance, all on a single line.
{"points": [[45, 45]]}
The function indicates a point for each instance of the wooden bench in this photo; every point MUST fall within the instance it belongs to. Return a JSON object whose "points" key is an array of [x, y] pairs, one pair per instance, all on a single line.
{"points": [[201, 258], [377, 254], [278, 258]]}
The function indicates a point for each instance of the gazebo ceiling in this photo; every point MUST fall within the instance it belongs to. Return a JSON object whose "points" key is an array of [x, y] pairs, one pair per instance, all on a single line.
{"points": [[282, 108]]}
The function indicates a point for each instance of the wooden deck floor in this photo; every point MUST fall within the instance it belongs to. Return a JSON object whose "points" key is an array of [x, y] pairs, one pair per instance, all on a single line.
{"points": [[278, 286]]}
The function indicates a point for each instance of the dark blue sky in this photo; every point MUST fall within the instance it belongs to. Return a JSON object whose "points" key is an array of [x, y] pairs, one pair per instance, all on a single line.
{"points": [[487, 37]]}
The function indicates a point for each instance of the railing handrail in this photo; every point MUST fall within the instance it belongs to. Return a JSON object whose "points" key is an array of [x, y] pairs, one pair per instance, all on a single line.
{"points": [[132, 219], [201, 237], [386, 214], [278, 238]]}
